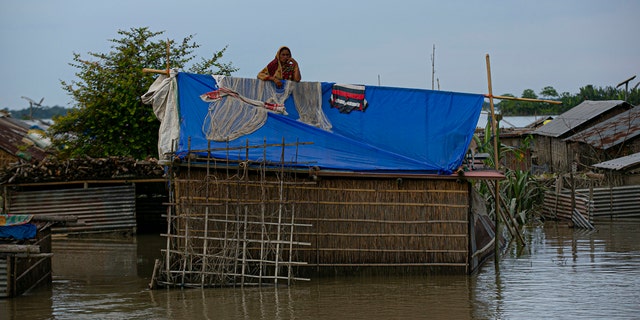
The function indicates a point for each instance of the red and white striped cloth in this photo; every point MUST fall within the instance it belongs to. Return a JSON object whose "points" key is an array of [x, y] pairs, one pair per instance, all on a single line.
{"points": [[348, 97]]}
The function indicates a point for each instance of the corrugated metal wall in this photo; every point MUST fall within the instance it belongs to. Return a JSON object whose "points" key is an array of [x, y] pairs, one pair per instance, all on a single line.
{"points": [[4, 277], [615, 203], [98, 209], [596, 204], [558, 206]]}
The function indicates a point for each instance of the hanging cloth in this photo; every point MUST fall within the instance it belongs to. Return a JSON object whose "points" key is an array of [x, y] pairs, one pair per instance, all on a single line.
{"points": [[348, 97]]}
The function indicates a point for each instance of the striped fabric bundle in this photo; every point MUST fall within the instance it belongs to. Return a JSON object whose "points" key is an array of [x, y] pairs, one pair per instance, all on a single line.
{"points": [[348, 97]]}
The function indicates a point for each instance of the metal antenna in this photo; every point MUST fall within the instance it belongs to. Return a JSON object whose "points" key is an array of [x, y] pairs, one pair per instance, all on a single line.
{"points": [[31, 104], [626, 87]]}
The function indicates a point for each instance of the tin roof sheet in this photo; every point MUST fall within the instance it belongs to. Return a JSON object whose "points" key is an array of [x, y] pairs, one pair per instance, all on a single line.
{"points": [[611, 132], [13, 137], [576, 116], [622, 163]]}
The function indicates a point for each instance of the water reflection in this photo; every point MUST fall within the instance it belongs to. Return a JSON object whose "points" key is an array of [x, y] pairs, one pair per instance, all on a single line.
{"points": [[561, 274], [339, 298], [568, 274]]}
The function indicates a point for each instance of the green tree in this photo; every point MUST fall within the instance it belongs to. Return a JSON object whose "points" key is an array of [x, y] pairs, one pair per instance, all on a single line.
{"points": [[529, 93], [519, 108], [108, 118], [549, 92]]}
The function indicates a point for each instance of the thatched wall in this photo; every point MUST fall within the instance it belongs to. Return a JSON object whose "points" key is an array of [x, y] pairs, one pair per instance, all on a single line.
{"points": [[278, 219], [386, 221]]}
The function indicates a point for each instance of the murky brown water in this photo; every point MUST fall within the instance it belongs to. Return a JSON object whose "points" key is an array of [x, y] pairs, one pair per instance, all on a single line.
{"points": [[562, 274]]}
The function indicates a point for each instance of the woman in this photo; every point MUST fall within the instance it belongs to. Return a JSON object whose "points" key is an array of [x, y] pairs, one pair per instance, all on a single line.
{"points": [[283, 67]]}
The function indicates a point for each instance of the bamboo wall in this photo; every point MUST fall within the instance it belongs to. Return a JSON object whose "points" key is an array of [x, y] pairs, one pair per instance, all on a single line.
{"points": [[554, 153], [242, 226], [385, 222]]}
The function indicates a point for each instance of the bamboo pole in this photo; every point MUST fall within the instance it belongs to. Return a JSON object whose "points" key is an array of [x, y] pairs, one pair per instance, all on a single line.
{"points": [[166, 71], [280, 205], [511, 224], [168, 56], [19, 248], [490, 96], [205, 257], [158, 71], [496, 162]]}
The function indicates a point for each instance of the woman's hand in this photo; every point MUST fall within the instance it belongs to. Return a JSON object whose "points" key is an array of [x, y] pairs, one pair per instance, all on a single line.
{"points": [[275, 80]]}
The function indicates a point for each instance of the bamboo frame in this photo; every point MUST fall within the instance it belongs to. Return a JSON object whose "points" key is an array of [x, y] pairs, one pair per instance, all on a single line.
{"points": [[166, 71], [230, 220]]}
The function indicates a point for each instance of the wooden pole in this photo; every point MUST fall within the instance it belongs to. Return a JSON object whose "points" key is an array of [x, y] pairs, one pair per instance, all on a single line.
{"points": [[521, 99], [161, 71], [496, 162], [168, 56]]}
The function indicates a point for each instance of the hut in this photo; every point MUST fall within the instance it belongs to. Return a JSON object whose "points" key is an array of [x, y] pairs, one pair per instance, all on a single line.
{"points": [[114, 195], [602, 184], [25, 252], [272, 185], [551, 149], [613, 138], [515, 133]]}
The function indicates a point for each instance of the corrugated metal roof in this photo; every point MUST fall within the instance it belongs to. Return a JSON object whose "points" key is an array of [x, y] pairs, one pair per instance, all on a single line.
{"points": [[622, 163], [611, 132], [576, 116], [14, 135]]}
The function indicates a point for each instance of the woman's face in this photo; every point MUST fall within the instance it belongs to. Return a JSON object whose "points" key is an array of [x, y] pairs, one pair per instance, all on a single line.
{"points": [[284, 55]]}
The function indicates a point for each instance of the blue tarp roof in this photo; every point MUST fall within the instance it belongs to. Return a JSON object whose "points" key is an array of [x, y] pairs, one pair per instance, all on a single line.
{"points": [[401, 130]]}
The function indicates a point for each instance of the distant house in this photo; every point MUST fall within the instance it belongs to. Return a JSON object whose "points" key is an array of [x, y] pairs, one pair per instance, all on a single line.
{"points": [[613, 138], [19, 140], [550, 146]]}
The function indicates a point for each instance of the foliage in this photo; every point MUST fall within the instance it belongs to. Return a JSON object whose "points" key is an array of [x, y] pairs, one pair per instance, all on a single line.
{"points": [[108, 118], [38, 113], [522, 194], [520, 191], [588, 92]]}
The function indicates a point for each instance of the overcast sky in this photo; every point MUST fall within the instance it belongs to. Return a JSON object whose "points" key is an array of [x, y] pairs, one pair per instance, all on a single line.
{"points": [[532, 44]]}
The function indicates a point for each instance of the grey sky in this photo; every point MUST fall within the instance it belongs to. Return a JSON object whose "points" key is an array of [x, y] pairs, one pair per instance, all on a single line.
{"points": [[532, 44]]}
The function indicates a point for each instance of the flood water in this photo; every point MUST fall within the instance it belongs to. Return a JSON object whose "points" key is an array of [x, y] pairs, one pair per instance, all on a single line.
{"points": [[562, 273]]}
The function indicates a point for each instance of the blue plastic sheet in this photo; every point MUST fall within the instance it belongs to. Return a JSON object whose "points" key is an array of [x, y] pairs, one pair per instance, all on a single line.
{"points": [[402, 130], [19, 232]]}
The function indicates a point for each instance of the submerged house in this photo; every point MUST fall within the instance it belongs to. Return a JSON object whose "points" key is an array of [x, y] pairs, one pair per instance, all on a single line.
{"points": [[25, 252], [274, 185], [551, 147], [613, 138], [593, 135]]}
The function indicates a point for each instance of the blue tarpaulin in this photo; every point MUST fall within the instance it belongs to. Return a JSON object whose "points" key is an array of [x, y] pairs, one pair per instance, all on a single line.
{"points": [[401, 130], [19, 232]]}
